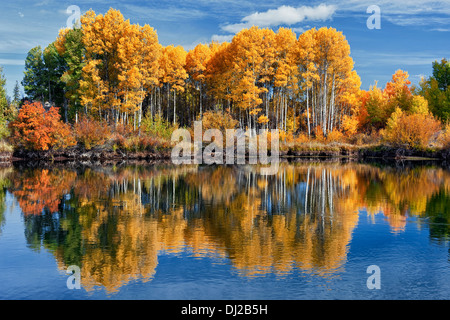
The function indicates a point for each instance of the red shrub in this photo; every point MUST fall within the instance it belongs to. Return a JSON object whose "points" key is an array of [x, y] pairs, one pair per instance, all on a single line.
{"points": [[90, 132], [35, 129]]}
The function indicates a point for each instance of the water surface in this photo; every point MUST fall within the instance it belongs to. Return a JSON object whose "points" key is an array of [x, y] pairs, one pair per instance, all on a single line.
{"points": [[225, 232]]}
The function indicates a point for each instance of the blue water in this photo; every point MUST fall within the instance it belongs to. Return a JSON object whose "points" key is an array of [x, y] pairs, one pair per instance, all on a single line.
{"points": [[412, 266]]}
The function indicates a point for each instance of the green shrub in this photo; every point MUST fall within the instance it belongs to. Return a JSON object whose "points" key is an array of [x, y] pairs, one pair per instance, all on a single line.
{"points": [[158, 127]]}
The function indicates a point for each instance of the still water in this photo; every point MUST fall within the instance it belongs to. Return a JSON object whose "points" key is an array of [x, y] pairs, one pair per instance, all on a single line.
{"points": [[163, 231]]}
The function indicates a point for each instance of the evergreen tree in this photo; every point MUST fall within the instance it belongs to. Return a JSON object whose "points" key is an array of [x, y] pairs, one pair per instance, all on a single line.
{"points": [[34, 75], [436, 89]]}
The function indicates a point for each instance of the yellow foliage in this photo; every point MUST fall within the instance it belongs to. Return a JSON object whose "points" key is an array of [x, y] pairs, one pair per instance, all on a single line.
{"points": [[286, 136], [419, 105], [218, 120], [301, 138], [318, 132], [411, 130], [118, 81], [172, 63], [263, 119], [444, 137], [350, 125], [335, 136]]}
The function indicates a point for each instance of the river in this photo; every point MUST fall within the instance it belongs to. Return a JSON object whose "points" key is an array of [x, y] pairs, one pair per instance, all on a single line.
{"points": [[314, 230]]}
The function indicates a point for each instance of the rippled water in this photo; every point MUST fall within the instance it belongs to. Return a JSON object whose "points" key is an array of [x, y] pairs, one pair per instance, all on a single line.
{"points": [[188, 232]]}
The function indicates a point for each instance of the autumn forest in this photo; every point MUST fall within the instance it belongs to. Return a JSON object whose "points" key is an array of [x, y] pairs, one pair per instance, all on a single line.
{"points": [[96, 204], [108, 82]]}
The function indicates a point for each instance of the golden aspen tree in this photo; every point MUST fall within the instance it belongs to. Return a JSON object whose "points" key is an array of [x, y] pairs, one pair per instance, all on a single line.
{"points": [[334, 65], [150, 51], [262, 77], [173, 72], [247, 54], [267, 73], [138, 53], [101, 35], [196, 60], [218, 72], [303, 55], [121, 66], [285, 73], [348, 103]]}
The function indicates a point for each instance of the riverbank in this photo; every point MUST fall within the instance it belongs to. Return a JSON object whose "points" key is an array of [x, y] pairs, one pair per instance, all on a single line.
{"points": [[81, 154], [373, 151], [325, 151]]}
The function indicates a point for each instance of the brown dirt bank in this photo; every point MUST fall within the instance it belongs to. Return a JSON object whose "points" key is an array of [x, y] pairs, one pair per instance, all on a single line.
{"points": [[101, 154], [80, 154]]}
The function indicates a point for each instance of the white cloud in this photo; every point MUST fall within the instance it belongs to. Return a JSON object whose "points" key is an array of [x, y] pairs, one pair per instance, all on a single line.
{"points": [[284, 15], [300, 30], [12, 62], [222, 38], [418, 77], [164, 13], [235, 28], [400, 12], [416, 20], [369, 59], [409, 7], [441, 30]]}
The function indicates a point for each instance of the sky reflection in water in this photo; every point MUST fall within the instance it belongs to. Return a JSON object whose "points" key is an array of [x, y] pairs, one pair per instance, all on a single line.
{"points": [[188, 232]]}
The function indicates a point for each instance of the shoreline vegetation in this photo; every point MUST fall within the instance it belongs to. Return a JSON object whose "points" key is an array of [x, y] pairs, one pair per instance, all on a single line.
{"points": [[90, 95], [306, 151]]}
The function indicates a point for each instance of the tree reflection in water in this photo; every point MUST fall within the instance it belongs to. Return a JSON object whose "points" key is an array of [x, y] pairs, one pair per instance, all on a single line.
{"points": [[114, 222]]}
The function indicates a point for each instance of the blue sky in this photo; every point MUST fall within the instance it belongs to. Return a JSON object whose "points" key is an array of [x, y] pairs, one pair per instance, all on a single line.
{"points": [[413, 33]]}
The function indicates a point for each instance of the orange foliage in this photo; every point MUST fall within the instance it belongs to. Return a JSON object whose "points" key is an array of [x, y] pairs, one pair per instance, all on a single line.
{"points": [[36, 129], [411, 130], [399, 85], [42, 189], [318, 132], [335, 136], [91, 132], [218, 120], [363, 115], [286, 136], [301, 138], [444, 137]]}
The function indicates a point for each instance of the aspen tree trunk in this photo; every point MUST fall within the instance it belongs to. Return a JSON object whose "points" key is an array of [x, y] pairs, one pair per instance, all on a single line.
{"points": [[285, 112], [201, 106], [267, 105], [159, 103], [151, 107], [332, 105], [248, 120], [307, 114], [281, 110], [174, 106], [293, 123], [324, 106], [276, 112], [168, 102], [140, 116], [313, 107]]}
